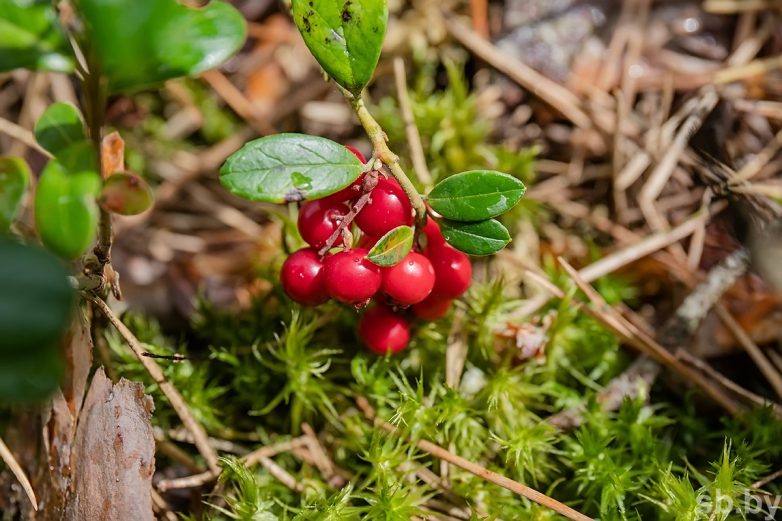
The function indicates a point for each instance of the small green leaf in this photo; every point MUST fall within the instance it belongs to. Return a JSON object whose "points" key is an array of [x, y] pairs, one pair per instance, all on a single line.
{"points": [[66, 213], [392, 247], [31, 38], [288, 168], [140, 43], [125, 194], [475, 195], [14, 179], [345, 36], [78, 157], [58, 127], [476, 238]]}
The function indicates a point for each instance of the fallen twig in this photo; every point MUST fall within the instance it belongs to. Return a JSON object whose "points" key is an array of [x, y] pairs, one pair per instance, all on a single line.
{"points": [[477, 470], [16, 470]]}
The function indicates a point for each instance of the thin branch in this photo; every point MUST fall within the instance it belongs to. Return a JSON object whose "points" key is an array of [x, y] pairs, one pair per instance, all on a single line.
{"points": [[477, 470], [16, 469], [411, 130], [22, 135], [200, 438]]}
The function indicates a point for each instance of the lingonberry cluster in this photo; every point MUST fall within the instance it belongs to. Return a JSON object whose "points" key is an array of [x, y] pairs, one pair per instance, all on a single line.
{"points": [[423, 284]]}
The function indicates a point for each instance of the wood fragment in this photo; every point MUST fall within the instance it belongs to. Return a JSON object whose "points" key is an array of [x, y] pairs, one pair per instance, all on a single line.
{"points": [[411, 130], [7, 456]]}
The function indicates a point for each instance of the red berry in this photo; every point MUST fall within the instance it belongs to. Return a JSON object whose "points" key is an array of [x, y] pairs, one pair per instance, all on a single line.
{"points": [[410, 281], [354, 190], [303, 278], [434, 237], [387, 208], [367, 242], [453, 271], [350, 277], [356, 153], [383, 331], [432, 307], [318, 220]]}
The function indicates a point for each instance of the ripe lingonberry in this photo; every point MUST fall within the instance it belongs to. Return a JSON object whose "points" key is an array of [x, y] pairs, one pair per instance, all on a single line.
{"points": [[303, 278], [453, 271], [387, 208], [354, 190], [432, 307], [383, 331], [318, 220], [434, 237], [350, 277], [409, 281]]}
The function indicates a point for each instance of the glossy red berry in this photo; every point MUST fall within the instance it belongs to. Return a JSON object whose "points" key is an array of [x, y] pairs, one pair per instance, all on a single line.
{"points": [[318, 220], [303, 278], [387, 208], [432, 307], [434, 237], [350, 277], [383, 331], [410, 281], [453, 271], [354, 190]]}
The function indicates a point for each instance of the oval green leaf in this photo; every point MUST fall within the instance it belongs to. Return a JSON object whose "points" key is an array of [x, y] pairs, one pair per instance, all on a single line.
{"points": [[66, 213], [392, 247], [58, 127], [288, 168], [14, 179], [31, 38], [140, 43], [475, 195], [36, 299], [125, 194], [476, 238], [78, 157], [345, 36]]}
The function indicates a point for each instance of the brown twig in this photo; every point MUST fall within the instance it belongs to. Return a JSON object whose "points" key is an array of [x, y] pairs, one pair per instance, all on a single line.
{"points": [[411, 130], [16, 470], [344, 224], [200, 438], [477, 470]]}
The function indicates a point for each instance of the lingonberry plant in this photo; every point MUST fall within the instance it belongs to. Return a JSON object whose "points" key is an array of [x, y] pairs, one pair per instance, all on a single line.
{"points": [[370, 233], [111, 48]]}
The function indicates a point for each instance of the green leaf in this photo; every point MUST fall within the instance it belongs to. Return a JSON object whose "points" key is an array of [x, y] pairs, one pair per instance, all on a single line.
{"points": [[475, 195], [66, 213], [58, 127], [476, 238], [288, 168], [392, 247], [345, 36], [31, 38], [36, 302], [14, 179], [140, 43], [125, 194], [78, 157]]}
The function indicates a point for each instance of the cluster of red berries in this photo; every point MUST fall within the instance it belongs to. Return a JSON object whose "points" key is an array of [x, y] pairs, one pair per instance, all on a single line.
{"points": [[426, 281]]}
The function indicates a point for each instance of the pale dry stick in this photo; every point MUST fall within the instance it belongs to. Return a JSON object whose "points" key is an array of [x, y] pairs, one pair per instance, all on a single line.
{"points": [[640, 340], [765, 189], [162, 506], [768, 479], [319, 456], [559, 97], [16, 470], [753, 68], [740, 6], [411, 130], [664, 169], [752, 167], [23, 136], [772, 375], [765, 108], [752, 43], [475, 469], [280, 474], [200, 439], [252, 458], [237, 101], [727, 382]]}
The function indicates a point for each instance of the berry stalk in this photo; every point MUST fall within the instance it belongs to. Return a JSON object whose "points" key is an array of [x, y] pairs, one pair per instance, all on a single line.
{"points": [[381, 151]]}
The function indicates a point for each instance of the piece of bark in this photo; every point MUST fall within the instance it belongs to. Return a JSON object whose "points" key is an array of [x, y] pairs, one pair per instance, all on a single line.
{"points": [[113, 454]]}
